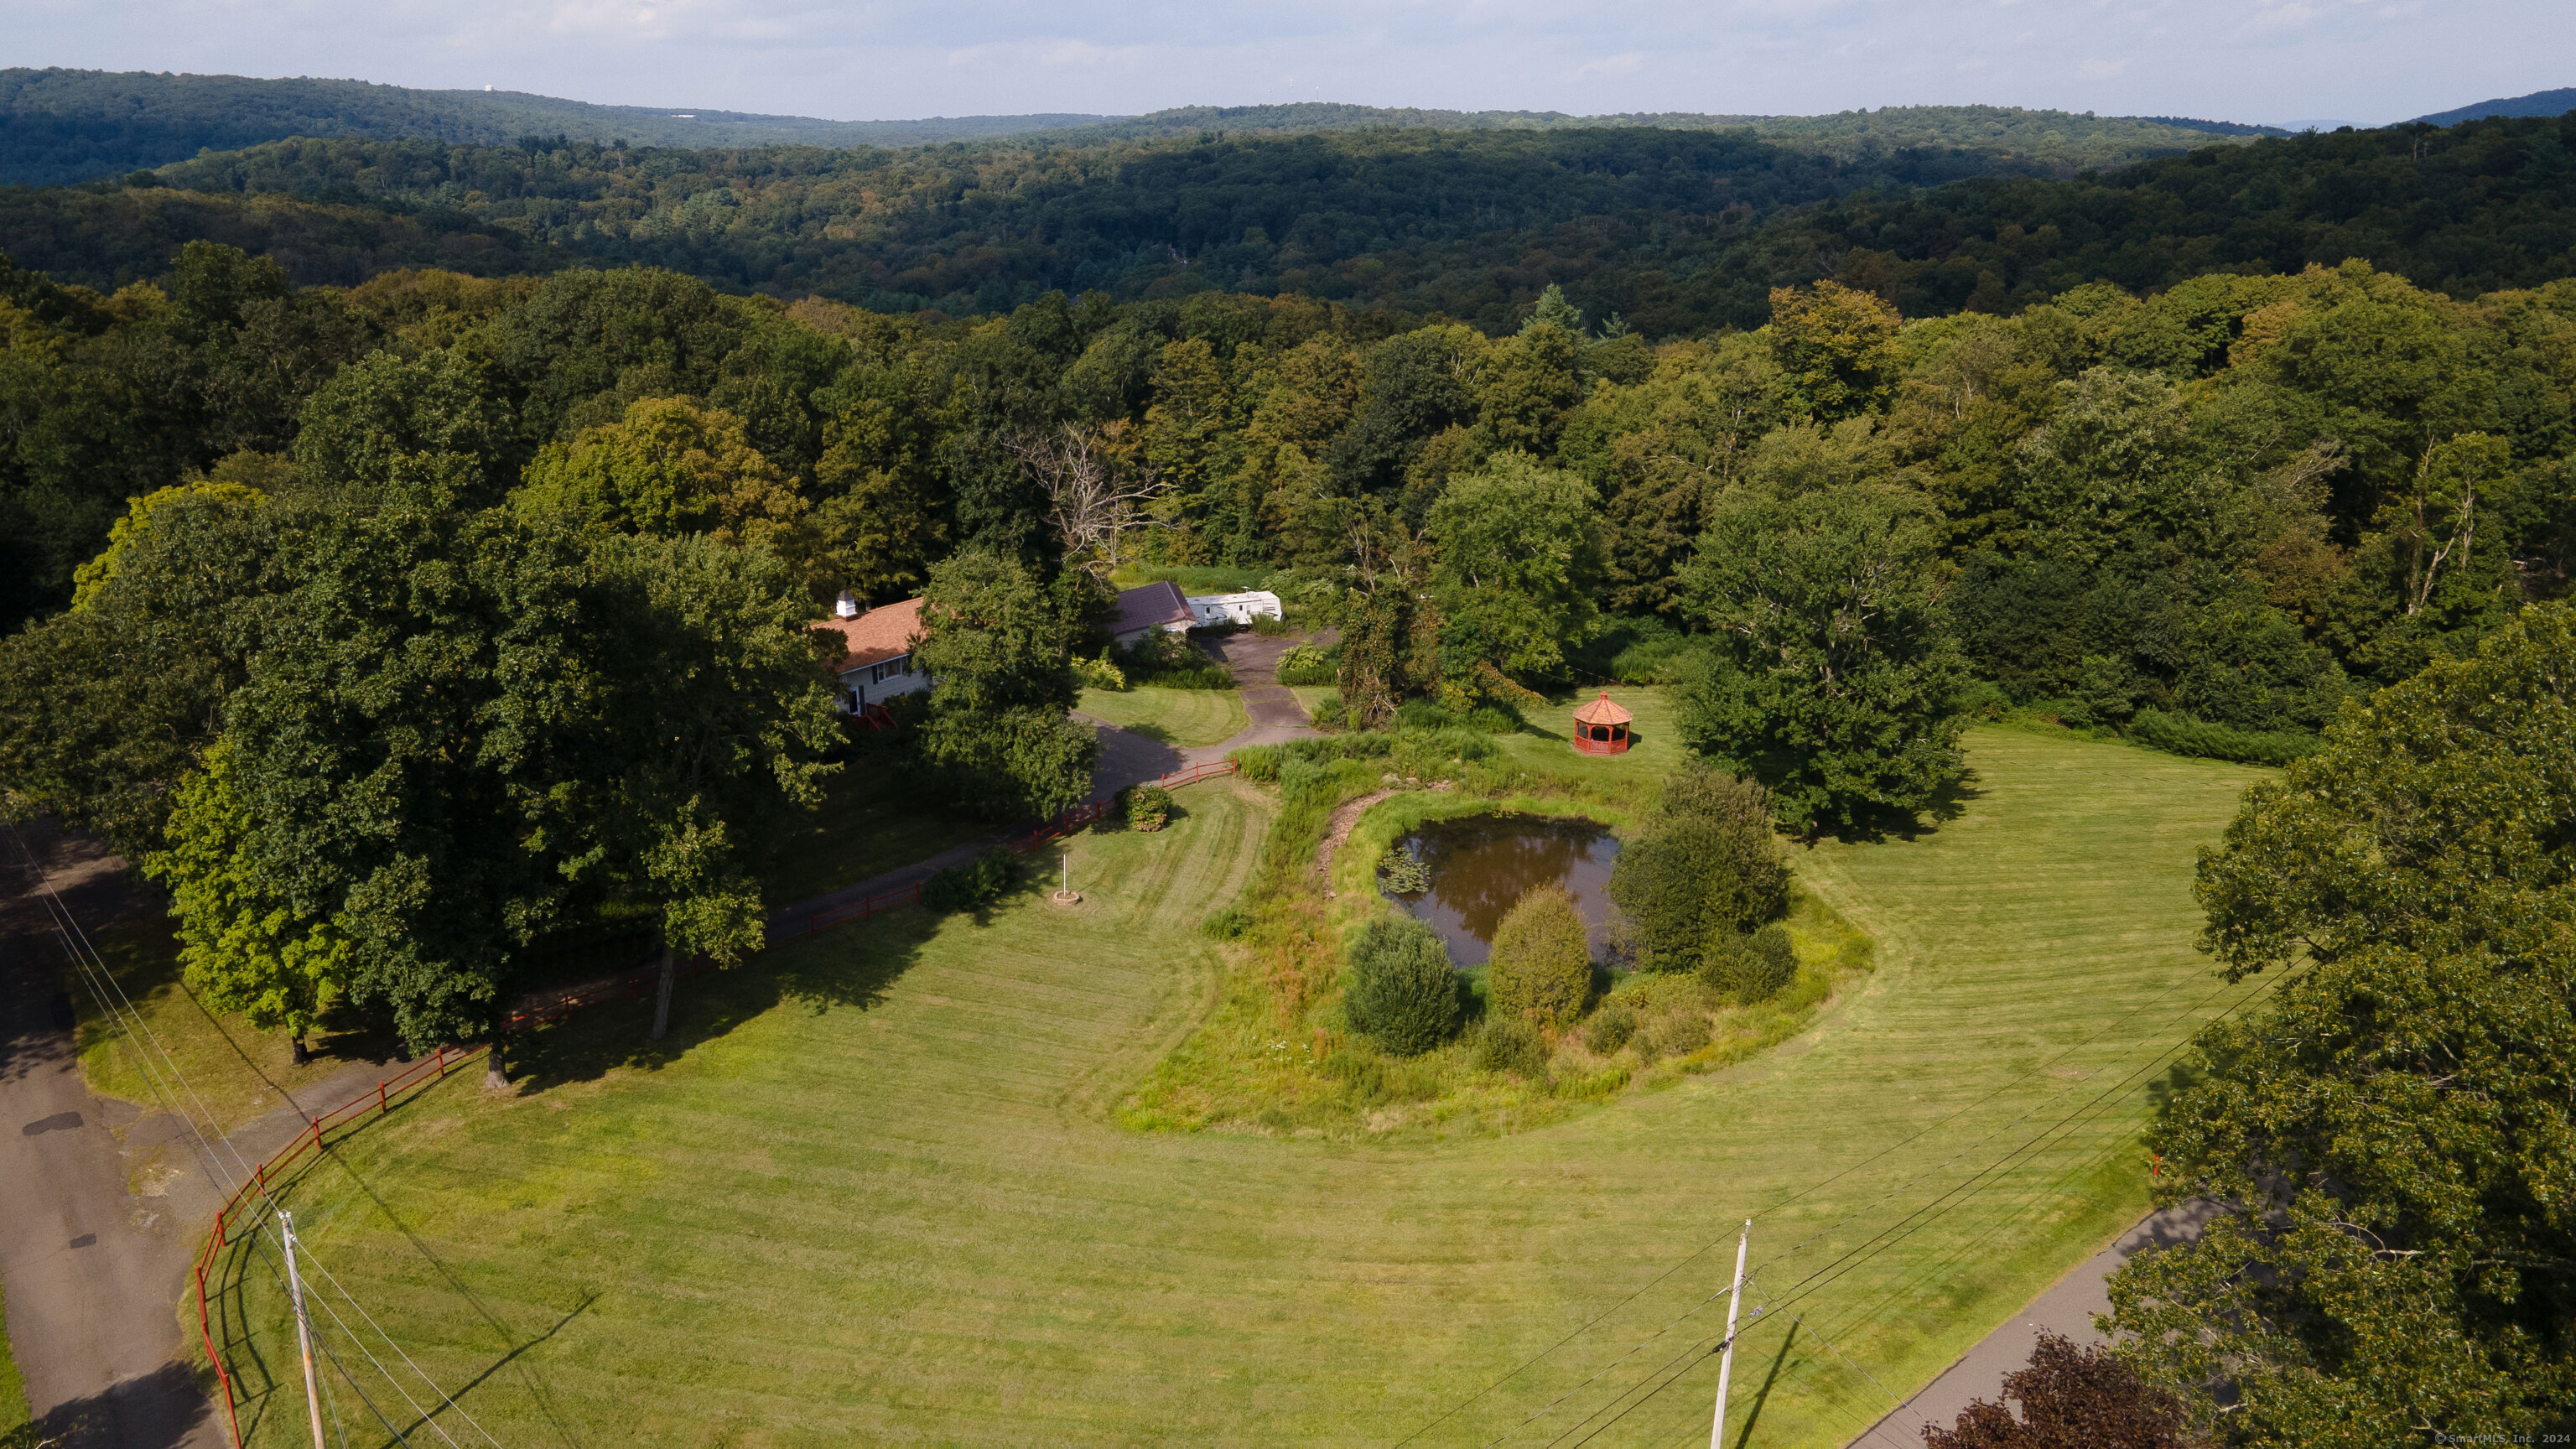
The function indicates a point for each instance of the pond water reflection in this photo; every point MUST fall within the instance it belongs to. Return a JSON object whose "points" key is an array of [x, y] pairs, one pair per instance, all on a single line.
{"points": [[1481, 865]]}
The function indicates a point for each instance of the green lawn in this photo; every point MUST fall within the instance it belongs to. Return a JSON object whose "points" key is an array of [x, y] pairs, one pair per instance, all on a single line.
{"points": [[1183, 717], [870, 1191], [239, 1074], [13, 1389], [242, 1073], [1311, 695]]}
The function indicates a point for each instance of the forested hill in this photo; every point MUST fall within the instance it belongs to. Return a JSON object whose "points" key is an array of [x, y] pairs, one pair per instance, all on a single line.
{"points": [[63, 126], [1375, 215], [2060, 141], [59, 126], [2539, 103], [1676, 231]]}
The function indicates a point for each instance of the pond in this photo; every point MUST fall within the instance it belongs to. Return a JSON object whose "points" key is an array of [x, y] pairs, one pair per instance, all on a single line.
{"points": [[1481, 865]]}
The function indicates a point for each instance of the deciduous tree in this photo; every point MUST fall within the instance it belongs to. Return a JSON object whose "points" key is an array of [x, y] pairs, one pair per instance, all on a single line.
{"points": [[2388, 1134], [1837, 675]]}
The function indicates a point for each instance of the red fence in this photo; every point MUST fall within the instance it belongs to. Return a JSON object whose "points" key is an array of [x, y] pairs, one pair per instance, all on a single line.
{"points": [[627, 987], [421, 1074]]}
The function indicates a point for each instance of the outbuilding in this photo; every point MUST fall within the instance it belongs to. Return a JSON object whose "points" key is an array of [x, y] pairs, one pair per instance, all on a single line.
{"points": [[876, 654], [1601, 727], [1158, 605]]}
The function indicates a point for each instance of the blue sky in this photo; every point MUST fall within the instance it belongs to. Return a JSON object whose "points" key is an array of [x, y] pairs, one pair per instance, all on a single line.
{"points": [[2273, 61]]}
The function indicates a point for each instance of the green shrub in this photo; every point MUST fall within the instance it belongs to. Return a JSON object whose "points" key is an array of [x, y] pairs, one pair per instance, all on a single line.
{"points": [[1423, 714], [1633, 651], [1706, 861], [1424, 754], [1675, 1035], [1506, 1045], [1329, 714], [1309, 664], [1263, 624], [1749, 968], [1100, 673], [1167, 660], [2181, 734], [1542, 963], [1610, 1027], [1231, 923], [972, 886], [1148, 807], [1403, 992]]}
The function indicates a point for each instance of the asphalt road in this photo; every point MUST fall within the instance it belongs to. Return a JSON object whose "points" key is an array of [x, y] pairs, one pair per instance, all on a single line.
{"points": [[2066, 1308], [92, 1269]]}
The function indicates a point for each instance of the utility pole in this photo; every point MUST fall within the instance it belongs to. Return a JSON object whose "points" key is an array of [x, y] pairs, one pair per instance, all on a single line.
{"points": [[303, 1328], [1726, 1361]]}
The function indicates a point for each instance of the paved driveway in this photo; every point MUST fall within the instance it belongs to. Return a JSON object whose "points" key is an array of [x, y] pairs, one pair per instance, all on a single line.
{"points": [[92, 1270], [2067, 1308]]}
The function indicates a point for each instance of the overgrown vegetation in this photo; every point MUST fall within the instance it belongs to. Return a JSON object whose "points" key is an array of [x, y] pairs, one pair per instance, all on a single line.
{"points": [[1295, 974]]}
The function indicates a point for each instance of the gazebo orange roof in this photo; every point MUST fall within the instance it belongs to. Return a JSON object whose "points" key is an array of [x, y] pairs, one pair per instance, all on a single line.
{"points": [[1602, 712]]}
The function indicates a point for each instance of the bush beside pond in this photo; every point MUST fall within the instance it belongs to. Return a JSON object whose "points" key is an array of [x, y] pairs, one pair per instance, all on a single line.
{"points": [[1706, 864], [1542, 964], [1403, 993]]}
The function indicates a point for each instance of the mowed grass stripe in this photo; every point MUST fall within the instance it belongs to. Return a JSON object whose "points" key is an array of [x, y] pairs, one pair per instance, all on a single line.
{"points": [[867, 1195]]}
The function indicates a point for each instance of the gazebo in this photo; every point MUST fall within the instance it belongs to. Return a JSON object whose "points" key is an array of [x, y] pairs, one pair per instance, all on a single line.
{"points": [[1601, 728]]}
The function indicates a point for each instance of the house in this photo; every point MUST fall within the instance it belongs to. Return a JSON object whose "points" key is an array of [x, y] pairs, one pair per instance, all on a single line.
{"points": [[1234, 608], [876, 653], [1158, 605]]}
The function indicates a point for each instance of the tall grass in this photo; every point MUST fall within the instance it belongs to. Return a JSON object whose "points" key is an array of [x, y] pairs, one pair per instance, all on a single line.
{"points": [[2182, 734]]}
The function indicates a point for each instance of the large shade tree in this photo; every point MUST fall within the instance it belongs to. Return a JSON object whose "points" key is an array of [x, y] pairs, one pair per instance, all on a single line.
{"points": [[432, 750], [1836, 678], [2389, 1135]]}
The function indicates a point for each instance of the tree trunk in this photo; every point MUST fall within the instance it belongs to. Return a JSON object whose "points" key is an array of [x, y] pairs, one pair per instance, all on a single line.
{"points": [[662, 1001], [496, 1072], [302, 1055]]}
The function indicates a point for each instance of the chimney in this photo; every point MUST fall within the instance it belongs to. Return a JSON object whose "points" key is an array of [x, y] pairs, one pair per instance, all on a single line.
{"points": [[846, 606]]}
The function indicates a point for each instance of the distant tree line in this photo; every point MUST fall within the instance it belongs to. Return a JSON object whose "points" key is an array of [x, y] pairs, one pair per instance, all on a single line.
{"points": [[1676, 231]]}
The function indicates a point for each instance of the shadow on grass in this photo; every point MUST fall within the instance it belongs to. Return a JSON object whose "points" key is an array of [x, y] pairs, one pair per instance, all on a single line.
{"points": [[1881, 825], [1744, 1435], [846, 967]]}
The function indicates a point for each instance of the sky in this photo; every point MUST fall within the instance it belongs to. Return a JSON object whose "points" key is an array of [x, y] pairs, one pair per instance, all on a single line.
{"points": [[2270, 61]]}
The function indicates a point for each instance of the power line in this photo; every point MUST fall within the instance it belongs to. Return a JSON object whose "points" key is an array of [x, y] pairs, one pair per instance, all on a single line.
{"points": [[1874, 1246], [133, 1028], [398, 1352], [1816, 1187]]}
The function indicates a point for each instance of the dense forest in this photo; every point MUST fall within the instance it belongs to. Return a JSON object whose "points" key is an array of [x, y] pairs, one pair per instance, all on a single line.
{"points": [[59, 126], [2236, 501], [1676, 232]]}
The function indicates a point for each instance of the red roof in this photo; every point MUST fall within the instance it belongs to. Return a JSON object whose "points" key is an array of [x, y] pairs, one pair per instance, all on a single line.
{"points": [[1602, 712], [1161, 602], [886, 632]]}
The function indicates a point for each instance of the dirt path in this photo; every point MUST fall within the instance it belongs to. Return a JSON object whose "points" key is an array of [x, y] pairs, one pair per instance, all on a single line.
{"points": [[1275, 713]]}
